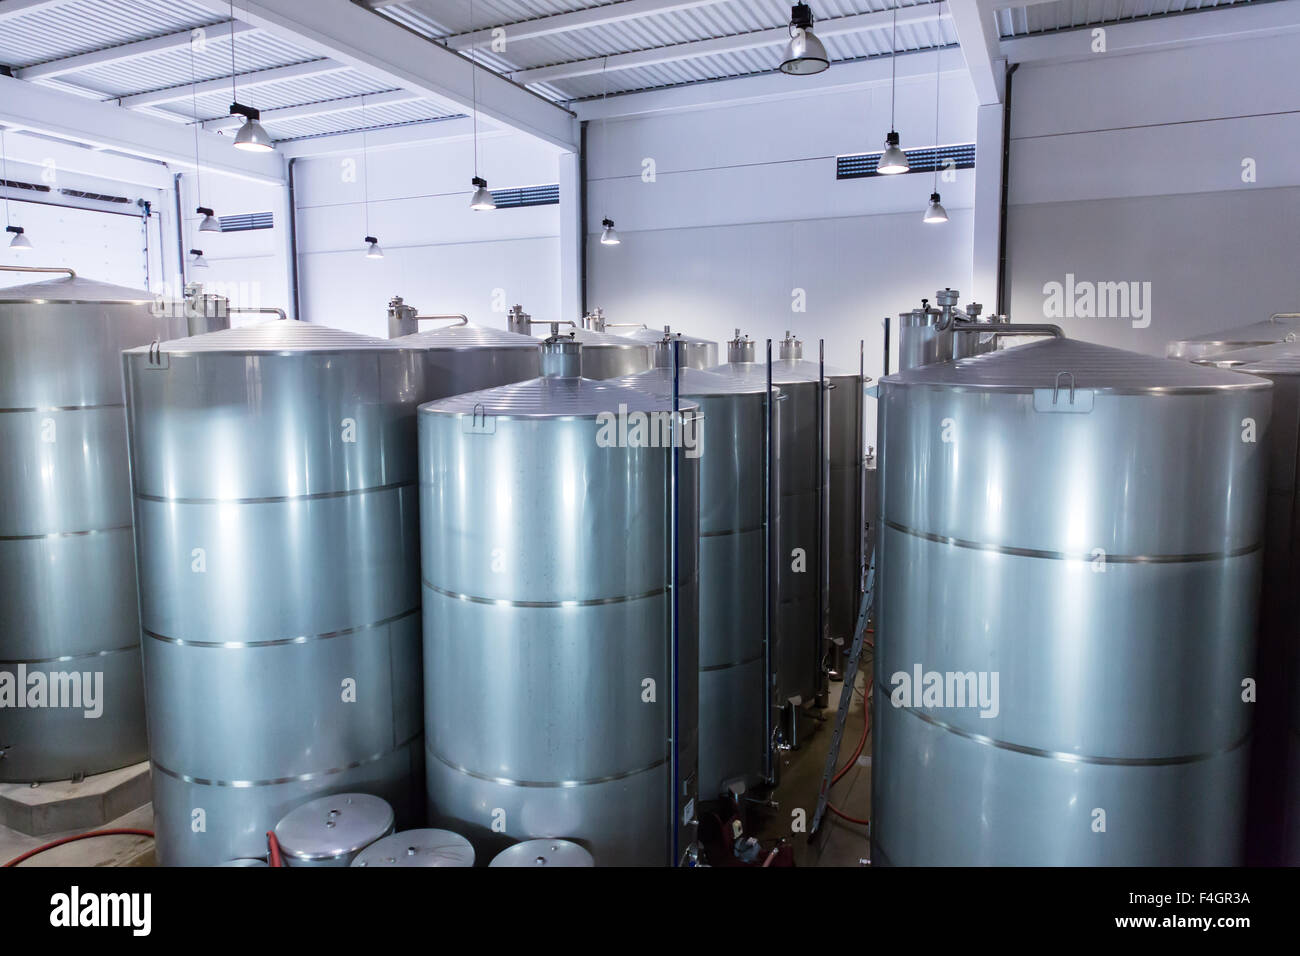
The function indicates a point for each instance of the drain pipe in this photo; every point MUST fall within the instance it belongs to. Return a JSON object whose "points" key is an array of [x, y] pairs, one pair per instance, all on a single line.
{"points": [[1004, 296], [180, 229], [295, 301]]}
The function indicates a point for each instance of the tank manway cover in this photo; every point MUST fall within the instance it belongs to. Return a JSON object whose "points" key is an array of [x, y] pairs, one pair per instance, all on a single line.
{"points": [[418, 848], [543, 853], [551, 398], [69, 289], [659, 381], [1284, 357], [466, 337], [1054, 363], [335, 826], [277, 336], [1268, 332]]}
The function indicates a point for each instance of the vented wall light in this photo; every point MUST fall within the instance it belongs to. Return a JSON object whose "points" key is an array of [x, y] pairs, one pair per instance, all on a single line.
{"points": [[804, 54]]}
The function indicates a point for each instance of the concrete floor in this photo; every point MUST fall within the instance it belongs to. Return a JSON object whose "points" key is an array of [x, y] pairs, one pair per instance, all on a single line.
{"points": [[839, 844]]}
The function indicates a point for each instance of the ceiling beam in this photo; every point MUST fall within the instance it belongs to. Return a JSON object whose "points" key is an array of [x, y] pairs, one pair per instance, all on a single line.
{"points": [[977, 33], [126, 51], [346, 104], [1240, 21], [602, 15], [243, 81], [397, 57], [856, 23], [394, 137], [34, 107], [43, 153], [16, 8]]}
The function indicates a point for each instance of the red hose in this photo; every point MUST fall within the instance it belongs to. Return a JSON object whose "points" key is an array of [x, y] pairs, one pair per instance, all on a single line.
{"points": [[122, 831], [273, 846], [866, 731]]}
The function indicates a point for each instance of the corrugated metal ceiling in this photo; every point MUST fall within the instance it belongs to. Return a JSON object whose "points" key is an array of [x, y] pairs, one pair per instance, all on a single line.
{"points": [[1069, 14]]}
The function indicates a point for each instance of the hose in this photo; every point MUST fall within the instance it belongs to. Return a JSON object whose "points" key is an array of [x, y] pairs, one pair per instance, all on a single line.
{"points": [[866, 731], [121, 831], [273, 849]]}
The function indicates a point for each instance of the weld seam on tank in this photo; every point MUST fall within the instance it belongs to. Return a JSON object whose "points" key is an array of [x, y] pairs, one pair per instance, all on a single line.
{"points": [[723, 534], [506, 602], [60, 408], [281, 641], [278, 781], [1084, 558], [544, 784], [1078, 758], [64, 534], [276, 499], [72, 657], [728, 666]]}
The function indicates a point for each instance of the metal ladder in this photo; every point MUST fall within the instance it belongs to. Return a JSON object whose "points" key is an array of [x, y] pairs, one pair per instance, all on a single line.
{"points": [[846, 697]]}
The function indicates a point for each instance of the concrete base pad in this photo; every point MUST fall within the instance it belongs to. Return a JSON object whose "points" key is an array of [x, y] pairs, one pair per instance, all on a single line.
{"points": [[64, 805]]}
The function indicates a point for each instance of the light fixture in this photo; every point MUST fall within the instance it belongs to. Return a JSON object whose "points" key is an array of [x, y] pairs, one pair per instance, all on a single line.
{"points": [[936, 212], [251, 136], [19, 242], [482, 198], [372, 248], [804, 54], [893, 160], [198, 261], [609, 237], [210, 222], [372, 244]]}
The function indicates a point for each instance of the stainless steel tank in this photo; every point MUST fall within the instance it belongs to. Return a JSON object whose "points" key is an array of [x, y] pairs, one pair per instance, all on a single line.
{"points": [[544, 853], [1060, 650], [735, 615], [700, 353], [552, 626], [464, 357], [68, 616], [274, 472], [333, 830], [1281, 327], [800, 479], [843, 532], [603, 355], [1273, 836], [418, 848]]}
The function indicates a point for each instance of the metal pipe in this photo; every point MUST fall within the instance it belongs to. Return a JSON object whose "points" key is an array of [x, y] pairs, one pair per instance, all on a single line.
{"points": [[1283, 315], [180, 230], [295, 291], [886, 346], [823, 516], [676, 610], [71, 273], [260, 311], [768, 775], [462, 317], [1004, 293], [1004, 331]]}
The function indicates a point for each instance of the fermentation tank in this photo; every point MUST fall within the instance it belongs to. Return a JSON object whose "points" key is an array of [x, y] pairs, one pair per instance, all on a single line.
{"points": [[1060, 650], [463, 357], [1274, 826], [67, 566], [550, 619], [603, 355], [802, 460], [699, 353], [1281, 327], [734, 613], [844, 517], [274, 472]]}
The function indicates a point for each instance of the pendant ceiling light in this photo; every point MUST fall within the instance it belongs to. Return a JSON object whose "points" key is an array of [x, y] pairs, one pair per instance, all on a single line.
{"points": [[804, 54], [372, 244], [198, 262], [482, 200], [251, 137], [893, 160], [935, 212], [609, 237], [209, 222], [19, 242]]}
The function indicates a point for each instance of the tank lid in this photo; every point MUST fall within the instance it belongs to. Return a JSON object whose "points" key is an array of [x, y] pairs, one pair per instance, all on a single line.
{"points": [[654, 336], [555, 397], [466, 337], [810, 370], [1268, 332], [1282, 358], [276, 336], [334, 826], [1062, 362], [592, 339], [542, 853], [418, 848], [783, 372], [692, 382], [69, 289]]}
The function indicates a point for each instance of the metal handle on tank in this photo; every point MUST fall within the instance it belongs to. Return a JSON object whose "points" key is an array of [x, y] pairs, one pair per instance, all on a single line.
{"points": [[1056, 389], [71, 273]]}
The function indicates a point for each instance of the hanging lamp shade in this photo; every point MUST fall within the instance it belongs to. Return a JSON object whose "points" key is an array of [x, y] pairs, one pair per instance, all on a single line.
{"points": [[935, 212], [804, 53]]}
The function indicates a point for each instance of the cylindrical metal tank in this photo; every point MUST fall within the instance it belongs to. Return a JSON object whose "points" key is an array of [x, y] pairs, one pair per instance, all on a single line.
{"points": [[1060, 648], [1273, 835], [68, 620], [920, 341], [799, 535], [734, 547], [333, 830], [466, 358], [539, 853], [612, 356], [418, 848], [274, 472], [845, 432], [553, 629], [1282, 327], [700, 353]]}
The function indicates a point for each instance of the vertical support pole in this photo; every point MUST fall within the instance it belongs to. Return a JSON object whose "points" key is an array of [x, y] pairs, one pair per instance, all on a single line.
{"points": [[768, 544], [674, 804]]}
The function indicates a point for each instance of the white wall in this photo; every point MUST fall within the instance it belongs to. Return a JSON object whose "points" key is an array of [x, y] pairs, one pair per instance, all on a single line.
{"points": [[745, 208], [1129, 168], [440, 255]]}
